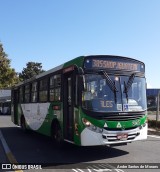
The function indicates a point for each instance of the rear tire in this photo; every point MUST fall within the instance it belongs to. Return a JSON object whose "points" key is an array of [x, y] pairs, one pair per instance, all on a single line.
{"points": [[23, 124]]}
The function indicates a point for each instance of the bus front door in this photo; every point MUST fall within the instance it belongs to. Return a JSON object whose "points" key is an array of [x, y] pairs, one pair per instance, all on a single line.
{"points": [[68, 110]]}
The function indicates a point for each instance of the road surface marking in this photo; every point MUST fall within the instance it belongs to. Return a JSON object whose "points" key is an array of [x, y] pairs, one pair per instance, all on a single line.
{"points": [[9, 154], [98, 168]]}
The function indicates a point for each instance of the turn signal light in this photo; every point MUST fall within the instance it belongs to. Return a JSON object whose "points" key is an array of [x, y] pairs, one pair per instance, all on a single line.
{"points": [[55, 107]]}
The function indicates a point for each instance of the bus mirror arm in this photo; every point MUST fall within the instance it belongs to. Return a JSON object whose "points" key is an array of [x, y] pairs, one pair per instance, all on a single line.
{"points": [[80, 71], [82, 77], [81, 82]]}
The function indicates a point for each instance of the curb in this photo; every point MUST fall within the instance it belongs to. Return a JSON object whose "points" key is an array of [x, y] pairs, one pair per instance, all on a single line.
{"points": [[153, 131]]}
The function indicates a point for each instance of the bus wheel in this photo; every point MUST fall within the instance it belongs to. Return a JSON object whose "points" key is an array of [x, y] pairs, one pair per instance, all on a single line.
{"points": [[57, 135], [23, 124]]}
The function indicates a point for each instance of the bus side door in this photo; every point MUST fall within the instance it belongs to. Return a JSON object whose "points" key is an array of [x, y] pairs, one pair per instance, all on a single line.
{"points": [[68, 103]]}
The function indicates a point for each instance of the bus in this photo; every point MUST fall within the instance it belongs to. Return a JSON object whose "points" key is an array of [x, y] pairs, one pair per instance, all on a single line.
{"points": [[88, 101], [5, 107]]}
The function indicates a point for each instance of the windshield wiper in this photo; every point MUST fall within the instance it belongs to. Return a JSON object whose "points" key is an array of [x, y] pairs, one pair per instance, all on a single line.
{"points": [[111, 85], [128, 85]]}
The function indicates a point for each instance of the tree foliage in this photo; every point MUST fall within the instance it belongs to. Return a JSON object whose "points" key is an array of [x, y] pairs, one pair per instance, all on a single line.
{"points": [[8, 76], [32, 69]]}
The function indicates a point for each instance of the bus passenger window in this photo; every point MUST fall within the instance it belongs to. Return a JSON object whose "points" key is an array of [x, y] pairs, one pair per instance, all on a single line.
{"points": [[34, 92], [27, 94], [55, 88], [21, 95], [43, 93]]}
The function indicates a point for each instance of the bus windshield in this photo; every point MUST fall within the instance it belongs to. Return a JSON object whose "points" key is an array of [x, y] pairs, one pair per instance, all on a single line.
{"points": [[113, 93]]}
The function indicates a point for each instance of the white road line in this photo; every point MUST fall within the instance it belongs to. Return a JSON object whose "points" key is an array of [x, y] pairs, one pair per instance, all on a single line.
{"points": [[106, 167], [77, 170], [157, 137], [8, 153], [5, 146]]}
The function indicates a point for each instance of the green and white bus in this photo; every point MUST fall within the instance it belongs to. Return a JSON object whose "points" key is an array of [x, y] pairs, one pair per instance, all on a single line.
{"points": [[88, 101]]}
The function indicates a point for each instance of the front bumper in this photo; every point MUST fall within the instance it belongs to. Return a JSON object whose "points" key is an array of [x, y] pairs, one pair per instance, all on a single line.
{"points": [[91, 138]]}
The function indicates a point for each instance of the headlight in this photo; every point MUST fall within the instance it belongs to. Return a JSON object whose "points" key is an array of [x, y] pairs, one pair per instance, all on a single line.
{"points": [[86, 122], [91, 127]]}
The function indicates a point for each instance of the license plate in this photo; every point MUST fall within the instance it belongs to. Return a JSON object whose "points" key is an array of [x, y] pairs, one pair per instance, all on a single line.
{"points": [[122, 136]]}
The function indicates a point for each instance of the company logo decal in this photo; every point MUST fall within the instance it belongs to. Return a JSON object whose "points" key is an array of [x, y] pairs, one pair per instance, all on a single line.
{"points": [[136, 122], [119, 125], [105, 125]]}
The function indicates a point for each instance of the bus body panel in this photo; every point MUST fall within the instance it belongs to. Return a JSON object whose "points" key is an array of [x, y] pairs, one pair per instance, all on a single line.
{"points": [[90, 138], [103, 132], [39, 116]]}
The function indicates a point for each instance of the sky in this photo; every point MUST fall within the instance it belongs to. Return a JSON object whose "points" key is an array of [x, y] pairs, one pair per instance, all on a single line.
{"points": [[53, 32]]}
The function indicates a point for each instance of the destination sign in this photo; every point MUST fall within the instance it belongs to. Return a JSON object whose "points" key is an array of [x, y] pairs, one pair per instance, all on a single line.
{"points": [[115, 64]]}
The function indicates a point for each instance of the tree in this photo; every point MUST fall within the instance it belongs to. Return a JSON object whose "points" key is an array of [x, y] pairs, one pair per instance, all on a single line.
{"points": [[32, 69], [8, 76]]}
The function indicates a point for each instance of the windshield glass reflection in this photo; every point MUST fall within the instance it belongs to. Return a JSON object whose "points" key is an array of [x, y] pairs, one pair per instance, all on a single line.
{"points": [[109, 93]]}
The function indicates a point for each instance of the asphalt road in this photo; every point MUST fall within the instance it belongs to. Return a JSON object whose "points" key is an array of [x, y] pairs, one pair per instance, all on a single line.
{"points": [[29, 148]]}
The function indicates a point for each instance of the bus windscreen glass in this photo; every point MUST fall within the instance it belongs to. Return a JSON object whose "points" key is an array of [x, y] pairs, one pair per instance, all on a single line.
{"points": [[99, 96]]}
